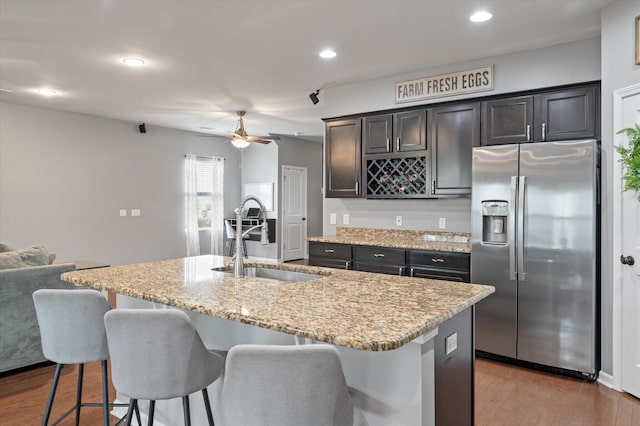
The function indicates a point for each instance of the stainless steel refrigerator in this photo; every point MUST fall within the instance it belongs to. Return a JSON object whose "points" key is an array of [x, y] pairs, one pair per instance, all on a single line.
{"points": [[535, 237]]}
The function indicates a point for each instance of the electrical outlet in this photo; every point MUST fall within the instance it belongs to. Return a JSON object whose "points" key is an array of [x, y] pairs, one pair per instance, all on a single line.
{"points": [[123, 212], [332, 219], [442, 224], [135, 212], [451, 343], [398, 220], [345, 219]]}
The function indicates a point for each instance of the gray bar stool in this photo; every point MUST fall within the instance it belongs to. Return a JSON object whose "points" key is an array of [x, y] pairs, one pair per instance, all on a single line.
{"points": [[286, 386], [158, 354], [72, 332]]}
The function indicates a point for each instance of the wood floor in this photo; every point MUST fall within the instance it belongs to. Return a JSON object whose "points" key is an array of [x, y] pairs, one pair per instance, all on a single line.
{"points": [[505, 395]]}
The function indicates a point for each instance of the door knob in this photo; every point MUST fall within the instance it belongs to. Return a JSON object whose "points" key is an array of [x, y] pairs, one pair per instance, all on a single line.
{"points": [[304, 218], [627, 260]]}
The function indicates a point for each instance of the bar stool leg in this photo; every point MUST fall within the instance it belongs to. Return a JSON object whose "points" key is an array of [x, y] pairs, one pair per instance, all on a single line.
{"points": [[137, 410], [207, 406], [52, 394], [132, 403], [152, 410], [105, 392], [79, 392], [187, 413]]}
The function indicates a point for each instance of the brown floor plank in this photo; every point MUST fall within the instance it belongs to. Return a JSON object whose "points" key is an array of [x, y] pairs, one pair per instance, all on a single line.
{"points": [[505, 395]]}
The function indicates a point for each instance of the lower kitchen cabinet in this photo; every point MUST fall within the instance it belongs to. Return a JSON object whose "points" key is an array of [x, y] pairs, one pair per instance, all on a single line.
{"points": [[439, 265], [454, 370], [330, 255], [382, 260]]}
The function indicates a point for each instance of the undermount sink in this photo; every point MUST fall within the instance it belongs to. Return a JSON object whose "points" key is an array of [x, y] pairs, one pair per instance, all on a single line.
{"points": [[278, 274]]}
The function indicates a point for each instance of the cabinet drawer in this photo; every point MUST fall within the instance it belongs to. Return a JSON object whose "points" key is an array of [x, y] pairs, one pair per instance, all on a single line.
{"points": [[440, 274], [440, 259], [379, 268], [379, 255], [329, 263], [330, 250]]}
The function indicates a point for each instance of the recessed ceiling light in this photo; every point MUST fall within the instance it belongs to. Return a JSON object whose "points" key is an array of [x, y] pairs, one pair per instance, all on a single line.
{"points": [[206, 128], [480, 16], [328, 54], [6, 90], [298, 134], [46, 92], [133, 62]]}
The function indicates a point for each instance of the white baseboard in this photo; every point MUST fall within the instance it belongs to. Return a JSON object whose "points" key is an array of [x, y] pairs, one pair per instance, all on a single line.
{"points": [[606, 379]]}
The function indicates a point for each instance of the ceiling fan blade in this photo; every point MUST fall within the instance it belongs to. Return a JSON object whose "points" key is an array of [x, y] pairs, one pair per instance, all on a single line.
{"points": [[266, 138]]}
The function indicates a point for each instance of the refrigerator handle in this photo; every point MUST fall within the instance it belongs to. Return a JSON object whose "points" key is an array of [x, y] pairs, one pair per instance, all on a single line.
{"points": [[520, 231], [512, 230]]}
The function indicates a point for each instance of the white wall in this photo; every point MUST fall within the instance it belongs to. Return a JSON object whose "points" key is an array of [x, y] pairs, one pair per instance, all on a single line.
{"points": [[64, 176], [552, 66], [618, 71]]}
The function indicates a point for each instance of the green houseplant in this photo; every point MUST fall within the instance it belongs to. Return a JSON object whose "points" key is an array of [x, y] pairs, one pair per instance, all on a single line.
{"points": [[630, 159]]}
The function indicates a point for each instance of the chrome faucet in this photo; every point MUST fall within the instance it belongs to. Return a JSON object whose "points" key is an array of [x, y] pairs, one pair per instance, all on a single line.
{"points": [[238, 257]]}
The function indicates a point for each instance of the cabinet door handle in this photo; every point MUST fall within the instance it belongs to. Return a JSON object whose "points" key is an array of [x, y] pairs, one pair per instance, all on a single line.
{"points": [[437, 260], [328, 251], [401, 270], [357, 188], [388, 144], [347, 264], [378, 255], [398, 144], [528, 132], [544, 131], [412, 272], [433, 187]]}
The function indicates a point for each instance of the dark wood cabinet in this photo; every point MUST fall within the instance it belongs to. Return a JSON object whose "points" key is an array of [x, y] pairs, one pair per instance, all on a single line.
{"points": [[440, 265], [330, 255], [382, 260], [394, 133], [377, 134], [567, 114], [343, 158], [556, 115], [507, 121], [454, 131]]}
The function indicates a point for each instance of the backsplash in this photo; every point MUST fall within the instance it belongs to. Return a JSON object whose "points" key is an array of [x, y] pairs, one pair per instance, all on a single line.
{"points": [[408, 235]]}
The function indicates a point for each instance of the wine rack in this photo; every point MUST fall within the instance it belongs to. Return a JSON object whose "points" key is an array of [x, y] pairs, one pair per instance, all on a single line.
{"points": [[397, 177]]}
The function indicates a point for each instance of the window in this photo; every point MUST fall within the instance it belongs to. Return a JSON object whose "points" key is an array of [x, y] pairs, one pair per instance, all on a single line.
{"points": [[203, 202]]}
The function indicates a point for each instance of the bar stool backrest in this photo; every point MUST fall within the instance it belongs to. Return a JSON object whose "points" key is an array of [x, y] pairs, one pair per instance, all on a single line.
{"points": [[285, 386], [72, 325], [157, 354]]}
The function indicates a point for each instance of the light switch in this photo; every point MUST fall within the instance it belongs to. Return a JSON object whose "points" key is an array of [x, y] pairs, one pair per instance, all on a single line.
{"points": [[123, 212], [135, 212], [398, 220], [451, 343], [345, 219], [332, 219], [443, 223]]}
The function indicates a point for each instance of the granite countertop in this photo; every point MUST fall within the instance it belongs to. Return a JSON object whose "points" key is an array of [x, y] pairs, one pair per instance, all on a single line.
{"points": [[358, 310], [458, 242]]}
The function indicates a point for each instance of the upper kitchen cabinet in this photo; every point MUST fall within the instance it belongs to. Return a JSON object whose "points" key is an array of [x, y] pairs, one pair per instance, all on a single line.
{"points": [[566, 114], [544, 116], [507, 120], [454, 131], [343, 158], [398, 132]]}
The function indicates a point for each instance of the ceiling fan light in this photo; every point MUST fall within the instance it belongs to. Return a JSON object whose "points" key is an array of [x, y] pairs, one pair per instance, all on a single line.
{"points": [[240, 143]]}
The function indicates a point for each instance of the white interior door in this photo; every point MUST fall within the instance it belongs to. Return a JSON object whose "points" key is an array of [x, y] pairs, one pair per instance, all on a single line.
{"points": [[630, 210], [294, 214]]}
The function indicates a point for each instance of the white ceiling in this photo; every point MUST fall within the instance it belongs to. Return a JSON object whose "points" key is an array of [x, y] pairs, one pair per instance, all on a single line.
{"points": [[207, 59]]}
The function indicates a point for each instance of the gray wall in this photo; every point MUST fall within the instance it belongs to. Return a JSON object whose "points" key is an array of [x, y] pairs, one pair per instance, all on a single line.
{"points": [[64, 177], [618, 71], [302, 153], [552, 66], [260, 165]]}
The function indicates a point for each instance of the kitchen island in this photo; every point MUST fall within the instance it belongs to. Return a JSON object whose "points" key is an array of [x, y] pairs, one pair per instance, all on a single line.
{"points": [[383, 326]]}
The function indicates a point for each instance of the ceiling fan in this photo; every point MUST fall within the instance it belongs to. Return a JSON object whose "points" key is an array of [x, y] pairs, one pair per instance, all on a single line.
{"points": [[241, 139]]}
